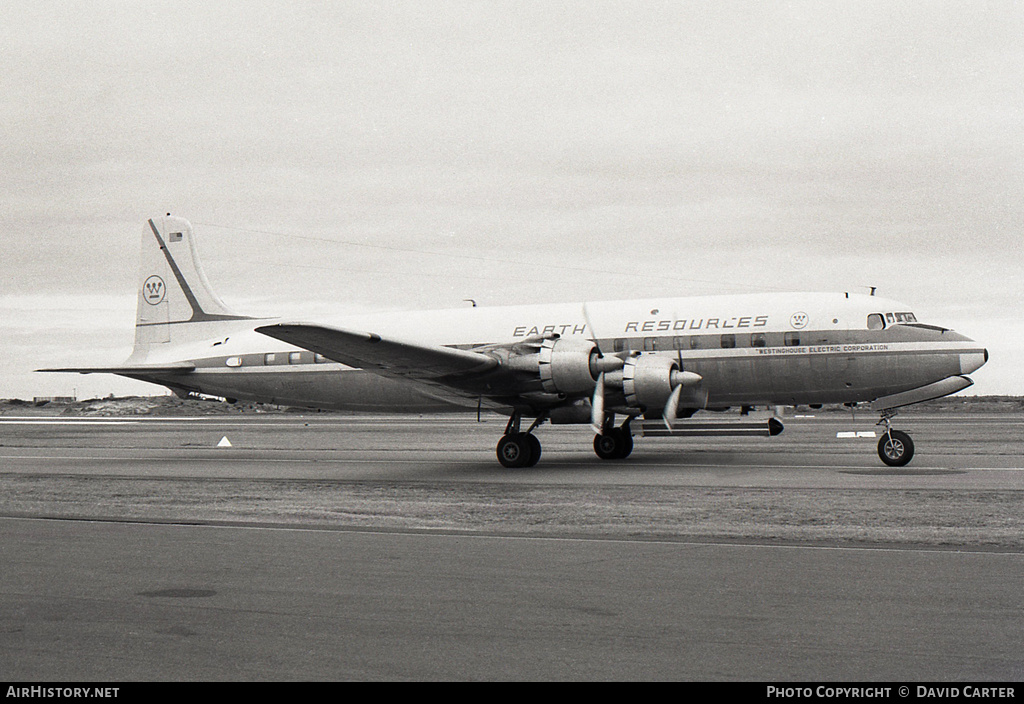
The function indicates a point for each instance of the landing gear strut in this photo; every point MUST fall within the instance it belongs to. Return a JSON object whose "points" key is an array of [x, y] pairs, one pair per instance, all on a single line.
{"points": [[895, 447], [517, 449], [614, 443]]}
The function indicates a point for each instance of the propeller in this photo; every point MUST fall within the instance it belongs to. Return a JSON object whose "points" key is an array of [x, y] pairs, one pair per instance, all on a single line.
{"points": [[600, 364]]}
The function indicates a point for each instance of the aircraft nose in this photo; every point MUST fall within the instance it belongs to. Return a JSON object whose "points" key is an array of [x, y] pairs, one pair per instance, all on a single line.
{"points": [[972, 361]]}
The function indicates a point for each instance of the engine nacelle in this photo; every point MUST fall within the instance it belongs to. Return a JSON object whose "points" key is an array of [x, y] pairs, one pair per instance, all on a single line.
{"points": [[563, 367], [567, 366], [647, 380]]}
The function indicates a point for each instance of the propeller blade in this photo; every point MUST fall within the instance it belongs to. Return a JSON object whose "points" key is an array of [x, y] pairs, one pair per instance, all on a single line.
{"points": [[597, 406], [590, 327], [671, 406]]}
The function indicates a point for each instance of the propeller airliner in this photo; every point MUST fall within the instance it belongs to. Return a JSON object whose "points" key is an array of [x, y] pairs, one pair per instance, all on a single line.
{"points": [[657, 364]]}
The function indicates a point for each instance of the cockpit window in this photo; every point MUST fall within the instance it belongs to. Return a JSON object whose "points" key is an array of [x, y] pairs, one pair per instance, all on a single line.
{"points": [[876, 322], [894, 318]]}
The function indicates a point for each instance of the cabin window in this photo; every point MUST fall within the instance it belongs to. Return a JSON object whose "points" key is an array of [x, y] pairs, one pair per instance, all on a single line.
{"points": [[792, 339], [728, 341], [294, 358], [686, 343], [269, 358], [650, 344], [758, 339], [233, 361], [876, 322], [619, 345], [320, 359]]}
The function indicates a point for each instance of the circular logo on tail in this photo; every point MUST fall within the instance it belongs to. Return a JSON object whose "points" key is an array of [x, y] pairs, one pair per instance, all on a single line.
{"points": [[153, 290]]}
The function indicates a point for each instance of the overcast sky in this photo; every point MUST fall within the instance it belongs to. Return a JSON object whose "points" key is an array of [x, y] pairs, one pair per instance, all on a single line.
{"points": [[355, 156]]}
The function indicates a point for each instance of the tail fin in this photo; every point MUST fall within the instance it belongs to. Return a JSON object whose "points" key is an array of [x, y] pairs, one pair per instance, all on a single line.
{"points": [[176, 303]]}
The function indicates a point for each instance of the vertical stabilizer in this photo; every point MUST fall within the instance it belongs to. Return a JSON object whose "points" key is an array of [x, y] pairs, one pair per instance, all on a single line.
{"points": [[175, 301]]}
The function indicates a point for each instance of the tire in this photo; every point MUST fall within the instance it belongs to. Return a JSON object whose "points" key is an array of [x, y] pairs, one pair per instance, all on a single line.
{"points": [[895, 448], [605, 446], [534, 449], [616, 444], [515, 451], [627, 443]]}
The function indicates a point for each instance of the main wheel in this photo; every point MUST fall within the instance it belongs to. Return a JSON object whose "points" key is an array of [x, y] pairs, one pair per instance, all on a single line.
{"points": [[517, 450], [895, 448], [534, 444], [616, 444]]}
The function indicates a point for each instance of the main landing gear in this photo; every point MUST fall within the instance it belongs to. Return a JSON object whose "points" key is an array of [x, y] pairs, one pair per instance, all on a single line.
{"points": [[517, 449], [895, 447], [614, 443]]}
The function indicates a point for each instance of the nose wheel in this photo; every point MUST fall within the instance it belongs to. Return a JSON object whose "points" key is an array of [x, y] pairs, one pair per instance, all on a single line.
{"points": [[895, 448]]}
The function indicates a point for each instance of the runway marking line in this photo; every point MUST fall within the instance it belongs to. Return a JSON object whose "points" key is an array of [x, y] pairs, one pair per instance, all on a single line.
{"points": [[437, 533], [243, 420]]}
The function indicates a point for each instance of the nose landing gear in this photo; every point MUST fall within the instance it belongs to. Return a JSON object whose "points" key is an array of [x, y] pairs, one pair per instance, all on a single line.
{"points": [[895, 448]]}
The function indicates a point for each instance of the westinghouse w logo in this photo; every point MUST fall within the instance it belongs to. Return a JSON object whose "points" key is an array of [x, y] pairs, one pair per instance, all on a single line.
{"points": [[153, 290]]}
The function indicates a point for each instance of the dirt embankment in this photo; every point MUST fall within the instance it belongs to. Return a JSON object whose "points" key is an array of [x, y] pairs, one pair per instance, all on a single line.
{"points": [[174, 406]]}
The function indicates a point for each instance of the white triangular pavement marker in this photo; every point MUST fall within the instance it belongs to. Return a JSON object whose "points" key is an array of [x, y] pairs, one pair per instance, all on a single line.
{"points": [[224, 442]]}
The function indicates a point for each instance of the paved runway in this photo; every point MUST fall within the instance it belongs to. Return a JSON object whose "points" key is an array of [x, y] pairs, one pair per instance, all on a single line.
{"points": [[403, 447], [351, 548], [103, 601]]}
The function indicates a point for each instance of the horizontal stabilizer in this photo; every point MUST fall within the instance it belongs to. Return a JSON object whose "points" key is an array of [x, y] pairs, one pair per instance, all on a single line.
{"points": [[381, 355], [713, 428], [182, 368]]}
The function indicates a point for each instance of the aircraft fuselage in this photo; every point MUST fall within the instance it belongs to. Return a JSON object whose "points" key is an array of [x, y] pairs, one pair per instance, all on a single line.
{"points": [[750, 350]]}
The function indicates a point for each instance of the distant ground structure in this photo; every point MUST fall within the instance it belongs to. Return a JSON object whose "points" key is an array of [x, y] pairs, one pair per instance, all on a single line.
{"points": [[43, 400]]}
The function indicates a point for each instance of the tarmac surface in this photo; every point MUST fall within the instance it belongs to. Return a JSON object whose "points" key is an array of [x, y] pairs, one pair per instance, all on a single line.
{"points": [[325, 547]]}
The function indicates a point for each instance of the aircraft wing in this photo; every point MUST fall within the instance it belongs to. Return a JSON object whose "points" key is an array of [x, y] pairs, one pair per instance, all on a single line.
{"points": [[382, 355], [181, 368]]}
